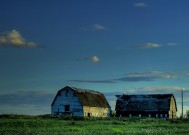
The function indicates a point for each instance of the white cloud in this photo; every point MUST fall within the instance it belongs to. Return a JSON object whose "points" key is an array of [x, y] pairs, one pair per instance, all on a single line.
{"points": [[98, 27], [15, 39], [172, 44], [94, 27], [141, 5], [153, 74], [95, 59], [148, 45], [162, 89]]}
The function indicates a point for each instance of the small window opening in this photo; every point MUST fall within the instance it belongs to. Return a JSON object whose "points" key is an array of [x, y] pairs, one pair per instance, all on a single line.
{"points": [[67, 108]]}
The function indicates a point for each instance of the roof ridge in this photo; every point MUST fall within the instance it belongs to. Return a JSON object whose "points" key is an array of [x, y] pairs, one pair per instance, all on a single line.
{"points": [[85, 90], [144, 94]]}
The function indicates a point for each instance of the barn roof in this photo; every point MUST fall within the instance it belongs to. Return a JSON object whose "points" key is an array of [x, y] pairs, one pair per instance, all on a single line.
{"points": [[154, 102], [88, 97]]}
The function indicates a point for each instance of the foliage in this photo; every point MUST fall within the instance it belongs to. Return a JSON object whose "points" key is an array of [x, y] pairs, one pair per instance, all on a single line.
{"points": [[187, 114], [48, 124]]}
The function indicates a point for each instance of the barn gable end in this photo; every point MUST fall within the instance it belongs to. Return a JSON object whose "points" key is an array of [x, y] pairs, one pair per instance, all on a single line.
{"points": [[66, 102]]}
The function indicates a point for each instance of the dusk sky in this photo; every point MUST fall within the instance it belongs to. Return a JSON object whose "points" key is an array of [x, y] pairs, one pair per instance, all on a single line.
{"points": [[112, 46]]}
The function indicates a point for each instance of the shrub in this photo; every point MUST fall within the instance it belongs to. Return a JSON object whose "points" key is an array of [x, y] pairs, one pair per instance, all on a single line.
{"points": [[187, 114]]}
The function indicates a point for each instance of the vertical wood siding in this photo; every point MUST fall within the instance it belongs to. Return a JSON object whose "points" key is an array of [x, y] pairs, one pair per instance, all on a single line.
{"points": [[68, 101], [96, 111], [172, 111], [67, 97]]}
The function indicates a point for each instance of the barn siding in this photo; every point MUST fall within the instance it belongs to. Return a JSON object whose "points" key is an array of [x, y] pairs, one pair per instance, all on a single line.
{"points": [[67, 97], [153, 114], [157, 105], [172, 110], [80, 102], [96, 111]]}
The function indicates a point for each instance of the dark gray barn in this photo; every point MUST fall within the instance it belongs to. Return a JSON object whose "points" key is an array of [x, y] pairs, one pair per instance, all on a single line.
{"points": [[155, 105]]}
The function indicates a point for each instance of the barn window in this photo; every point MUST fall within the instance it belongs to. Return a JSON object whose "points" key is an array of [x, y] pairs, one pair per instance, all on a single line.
{"points": [[130, 115], [67, 108], [161, 115], [149, 115], [165, 115], [156, 115], [139, 115]]}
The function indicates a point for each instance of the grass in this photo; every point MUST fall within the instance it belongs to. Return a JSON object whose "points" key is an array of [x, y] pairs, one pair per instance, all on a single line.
{"points": [[47, 125]]}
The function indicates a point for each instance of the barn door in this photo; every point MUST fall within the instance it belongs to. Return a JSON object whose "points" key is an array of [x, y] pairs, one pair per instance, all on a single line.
{"points": [[67, 108]]}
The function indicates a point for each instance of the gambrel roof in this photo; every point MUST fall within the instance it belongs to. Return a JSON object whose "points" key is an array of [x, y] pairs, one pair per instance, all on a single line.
{"points": [[87, 97], [153, 102]]}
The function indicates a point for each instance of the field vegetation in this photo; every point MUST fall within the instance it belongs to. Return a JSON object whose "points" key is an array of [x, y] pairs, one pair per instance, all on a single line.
{"points": [[48, 125]]}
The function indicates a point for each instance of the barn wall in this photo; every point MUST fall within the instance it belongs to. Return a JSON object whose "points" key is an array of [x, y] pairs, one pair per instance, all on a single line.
{"points": [[96, 111], [172, 111], [150, 114], [67, 97]]}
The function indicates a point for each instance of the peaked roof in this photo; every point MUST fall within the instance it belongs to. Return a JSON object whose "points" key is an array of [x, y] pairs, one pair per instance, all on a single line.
{"points": [[88, 97], [153, 102]]}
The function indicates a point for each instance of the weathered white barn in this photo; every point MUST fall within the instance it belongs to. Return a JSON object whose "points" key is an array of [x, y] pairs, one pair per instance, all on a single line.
{"points": [[80, 102], [154, 105]]}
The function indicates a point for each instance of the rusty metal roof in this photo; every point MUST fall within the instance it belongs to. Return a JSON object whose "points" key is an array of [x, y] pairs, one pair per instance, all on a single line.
{"points": [[87, 97], [154, 102]]}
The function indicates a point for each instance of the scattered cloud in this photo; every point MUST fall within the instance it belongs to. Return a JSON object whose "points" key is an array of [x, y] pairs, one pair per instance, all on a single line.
{"points": [[134, 77], [15, 39], [154, 45], [26, 109], [37, 98], [140, 5], [93, 81], [97, 27], [161, 89], [146, 76], [148, 45], [95, 59], [172, 44], [158, 74], [26, 102], [94, 27]]}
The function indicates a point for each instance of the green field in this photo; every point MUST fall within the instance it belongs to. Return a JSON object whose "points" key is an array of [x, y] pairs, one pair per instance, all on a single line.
{"points": [[47, 125]]}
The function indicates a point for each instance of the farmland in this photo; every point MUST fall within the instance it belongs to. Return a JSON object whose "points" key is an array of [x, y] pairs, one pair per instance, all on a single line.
{"points": [[47, 125]]}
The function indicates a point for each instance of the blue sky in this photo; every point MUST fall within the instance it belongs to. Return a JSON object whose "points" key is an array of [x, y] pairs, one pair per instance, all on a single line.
{"points": [[125, 46]]}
